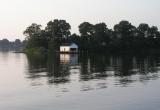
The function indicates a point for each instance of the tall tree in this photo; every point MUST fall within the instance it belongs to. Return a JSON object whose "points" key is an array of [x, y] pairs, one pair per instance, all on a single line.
{"points": [[58, 29], [125, 31], [101, 35], [32, 31], [33, 36], [58, 32], [86, 30], [143, 30]]}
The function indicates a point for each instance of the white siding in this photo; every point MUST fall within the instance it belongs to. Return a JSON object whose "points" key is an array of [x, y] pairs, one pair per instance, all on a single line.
{"points": [[64, 48]]}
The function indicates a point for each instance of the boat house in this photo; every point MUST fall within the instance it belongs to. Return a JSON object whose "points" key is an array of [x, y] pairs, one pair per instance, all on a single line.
{"points": [[69, 48]]}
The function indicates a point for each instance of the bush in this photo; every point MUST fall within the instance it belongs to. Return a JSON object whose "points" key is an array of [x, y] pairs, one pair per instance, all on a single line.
{"points": [[36, 52]]}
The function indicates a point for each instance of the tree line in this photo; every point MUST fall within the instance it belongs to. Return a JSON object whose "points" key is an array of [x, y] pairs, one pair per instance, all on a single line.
{"points": [[5, 44], [93, 37]]}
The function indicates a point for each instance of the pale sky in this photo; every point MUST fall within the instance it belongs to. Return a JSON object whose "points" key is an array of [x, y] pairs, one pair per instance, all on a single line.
{"points": [[16, 15]]}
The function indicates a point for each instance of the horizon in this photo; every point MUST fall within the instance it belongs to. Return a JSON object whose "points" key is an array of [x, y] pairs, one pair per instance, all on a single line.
{"points": [[17, 15]]}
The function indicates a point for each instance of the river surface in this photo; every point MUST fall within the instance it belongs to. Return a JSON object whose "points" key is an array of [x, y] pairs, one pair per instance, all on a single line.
{"points": [[79, 82]]}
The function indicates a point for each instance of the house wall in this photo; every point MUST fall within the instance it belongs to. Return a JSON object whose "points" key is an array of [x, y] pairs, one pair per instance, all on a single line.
{"points": [[64, 48]]}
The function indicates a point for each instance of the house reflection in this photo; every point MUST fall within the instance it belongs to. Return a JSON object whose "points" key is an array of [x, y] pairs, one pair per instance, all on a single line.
{"points": [[71, 59]]}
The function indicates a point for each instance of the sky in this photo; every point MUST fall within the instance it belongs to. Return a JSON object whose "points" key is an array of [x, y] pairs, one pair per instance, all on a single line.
{"points": [[17, 15]]}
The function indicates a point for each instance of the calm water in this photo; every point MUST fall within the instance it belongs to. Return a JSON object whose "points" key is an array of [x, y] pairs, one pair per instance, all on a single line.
{"points": [[79, 82]]}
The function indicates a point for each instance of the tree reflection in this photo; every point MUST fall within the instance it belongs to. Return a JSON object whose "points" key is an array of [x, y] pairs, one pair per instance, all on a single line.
{"points": [[123, 69], [57, 72]]}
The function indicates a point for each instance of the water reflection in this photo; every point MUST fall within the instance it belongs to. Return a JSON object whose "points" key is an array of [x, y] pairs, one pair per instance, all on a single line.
{"points": [[117, 69]]}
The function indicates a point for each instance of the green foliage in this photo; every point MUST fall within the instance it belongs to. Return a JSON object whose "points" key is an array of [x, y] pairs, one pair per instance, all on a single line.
{"points": [[92, 38], [36, 52], [56, 32], [58, 29]]}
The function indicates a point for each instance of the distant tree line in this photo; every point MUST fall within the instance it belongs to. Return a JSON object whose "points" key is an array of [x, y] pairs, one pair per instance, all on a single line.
{"points": [[93, 37], [5, 44]]}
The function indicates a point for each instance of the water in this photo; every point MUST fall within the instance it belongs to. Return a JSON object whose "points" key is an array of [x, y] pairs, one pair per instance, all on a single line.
{"points": [[79, 82]]}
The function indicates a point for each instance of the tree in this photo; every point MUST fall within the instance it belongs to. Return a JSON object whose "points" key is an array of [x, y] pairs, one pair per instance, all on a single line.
{"points": [[86, 30], [34, 36], [143, 29], [75, 38], [93, 37], [17, 41], [101, 36], [58, 32], [153, 37], [153, 31], [5, 44], [124, 30], [32, 31], [58, 29]]}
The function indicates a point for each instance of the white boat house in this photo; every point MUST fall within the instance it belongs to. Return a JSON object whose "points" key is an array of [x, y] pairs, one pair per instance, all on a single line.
{"points": [[69, 48]]}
